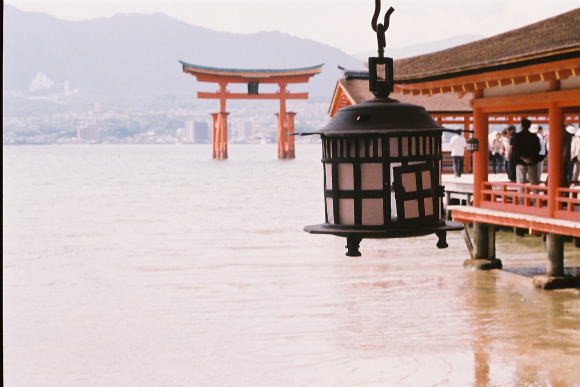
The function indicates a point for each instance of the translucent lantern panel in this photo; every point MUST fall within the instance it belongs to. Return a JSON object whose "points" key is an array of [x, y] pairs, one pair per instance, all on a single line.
{"points": [[330, 210], [426, 179], [411, 209], [372, 212], [362, 148], [414, 145], [346, 208], [428, 206], [394, 147], [371, 176], [409, 181], [328, 175], [421, 140], [405, 145], [345, 177]]}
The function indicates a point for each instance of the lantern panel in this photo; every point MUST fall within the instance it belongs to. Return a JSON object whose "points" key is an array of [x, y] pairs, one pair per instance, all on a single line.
{"points": [[371, 176], [362, 148], [346, 210], [328, 176], [405, 146], [426, 179], [329, 210], [409, 181], [428, 204], [345, 177], [372, 212], [393, 147], [411, 208]]}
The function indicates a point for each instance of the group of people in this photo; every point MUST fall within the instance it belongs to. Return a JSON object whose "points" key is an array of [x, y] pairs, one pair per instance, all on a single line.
{"points": [[522, 154]]}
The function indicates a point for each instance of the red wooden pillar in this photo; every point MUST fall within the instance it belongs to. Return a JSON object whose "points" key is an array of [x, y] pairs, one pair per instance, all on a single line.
{"points": [[214, 134], [220, 135], [467, 155], [224, 135], [282, 122], [291, 154], [555, 162], [480, 168], [219, 127]]}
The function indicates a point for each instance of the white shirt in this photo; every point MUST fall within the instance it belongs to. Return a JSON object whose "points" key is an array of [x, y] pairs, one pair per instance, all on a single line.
{"points": [[542, 144], [457, 145]]}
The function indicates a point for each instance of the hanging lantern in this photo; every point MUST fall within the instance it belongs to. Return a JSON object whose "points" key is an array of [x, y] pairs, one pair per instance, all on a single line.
{"points": [[382, 166], [472, 145]]}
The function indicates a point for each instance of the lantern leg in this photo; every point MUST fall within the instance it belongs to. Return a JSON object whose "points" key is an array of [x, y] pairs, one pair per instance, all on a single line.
{"points": [[442, 239], [352, 244]]}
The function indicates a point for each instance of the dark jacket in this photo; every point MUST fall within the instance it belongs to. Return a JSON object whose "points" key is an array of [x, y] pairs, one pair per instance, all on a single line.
{"points": [[525, 145]]}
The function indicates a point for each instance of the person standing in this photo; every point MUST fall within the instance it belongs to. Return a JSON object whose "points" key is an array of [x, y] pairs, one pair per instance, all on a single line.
{"points": [[457, 145], [566, 154], [525, 153], [510, 162], [575, 158], [539, 131], [497, 152]]}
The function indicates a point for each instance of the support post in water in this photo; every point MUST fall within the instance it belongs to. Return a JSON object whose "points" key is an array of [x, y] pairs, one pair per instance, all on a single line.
{"points": [[483, 248]]}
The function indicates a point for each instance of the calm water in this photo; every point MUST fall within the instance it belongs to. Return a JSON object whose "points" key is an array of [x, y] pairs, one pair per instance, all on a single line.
{"points": [[157, 266]]}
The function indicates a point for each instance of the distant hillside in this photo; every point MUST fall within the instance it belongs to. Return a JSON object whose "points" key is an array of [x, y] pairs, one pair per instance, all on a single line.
{"points": [[422, 48], [132, 59]]}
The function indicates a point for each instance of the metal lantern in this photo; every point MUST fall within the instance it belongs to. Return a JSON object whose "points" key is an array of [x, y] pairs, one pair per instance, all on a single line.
{"points": [[472, 145], [382, 167]]}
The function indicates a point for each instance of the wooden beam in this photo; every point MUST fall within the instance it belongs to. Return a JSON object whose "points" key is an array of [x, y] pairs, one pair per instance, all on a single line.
{"points": [[233, 79], [525, 222], [523, 102], [210, 95]]}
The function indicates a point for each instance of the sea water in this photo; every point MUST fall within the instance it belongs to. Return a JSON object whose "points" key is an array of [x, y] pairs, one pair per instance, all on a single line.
{"points": [[154, 265]]}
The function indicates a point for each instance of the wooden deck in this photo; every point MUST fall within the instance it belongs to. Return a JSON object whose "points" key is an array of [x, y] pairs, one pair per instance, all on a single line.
{"points": [[509, 204], [468, 214]]}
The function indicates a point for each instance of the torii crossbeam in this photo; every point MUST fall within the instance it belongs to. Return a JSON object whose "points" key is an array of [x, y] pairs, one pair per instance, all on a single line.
{"points": [[253, 78]]}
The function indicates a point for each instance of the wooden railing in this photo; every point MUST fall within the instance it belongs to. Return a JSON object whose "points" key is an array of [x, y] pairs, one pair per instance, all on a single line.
{"points": [[513, 197], [568, 204]]}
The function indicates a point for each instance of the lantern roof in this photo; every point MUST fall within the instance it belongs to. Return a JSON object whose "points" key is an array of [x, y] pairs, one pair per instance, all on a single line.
{"points": [[378, 116]]}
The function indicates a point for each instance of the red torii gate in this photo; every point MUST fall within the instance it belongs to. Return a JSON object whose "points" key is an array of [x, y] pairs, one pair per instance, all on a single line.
{"points": [[252, 77]]}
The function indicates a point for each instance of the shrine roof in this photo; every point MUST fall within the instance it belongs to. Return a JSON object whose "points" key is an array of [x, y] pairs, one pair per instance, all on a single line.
{"points": [[250, 73], [548, 40], [357, 89]]}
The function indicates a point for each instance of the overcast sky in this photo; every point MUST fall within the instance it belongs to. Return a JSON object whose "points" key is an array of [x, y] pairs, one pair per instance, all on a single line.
{"points": [[340, 23]]}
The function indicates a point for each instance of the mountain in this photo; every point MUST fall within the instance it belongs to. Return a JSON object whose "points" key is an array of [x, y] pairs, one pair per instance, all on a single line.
{"points": [[422, 48], [131, 60]]}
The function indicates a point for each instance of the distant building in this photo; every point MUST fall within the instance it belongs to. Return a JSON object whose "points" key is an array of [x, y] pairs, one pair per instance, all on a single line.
{"points": [[88, 133], [196, 132]]}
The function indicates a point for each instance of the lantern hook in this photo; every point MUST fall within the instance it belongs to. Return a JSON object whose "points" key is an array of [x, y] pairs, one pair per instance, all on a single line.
{"points": [[380, 29]]}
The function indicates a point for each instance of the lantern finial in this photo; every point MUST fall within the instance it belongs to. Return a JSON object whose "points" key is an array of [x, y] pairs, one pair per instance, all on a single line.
{"points": [[381, 28]]}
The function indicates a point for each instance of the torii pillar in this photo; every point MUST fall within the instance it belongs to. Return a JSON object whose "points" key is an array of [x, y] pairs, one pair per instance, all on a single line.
{"points": [[285, 127], [220, 135]]}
